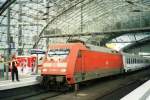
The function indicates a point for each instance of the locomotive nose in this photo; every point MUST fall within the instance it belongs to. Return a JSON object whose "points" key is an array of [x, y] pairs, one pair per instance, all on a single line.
{"points": [[54, 68]]}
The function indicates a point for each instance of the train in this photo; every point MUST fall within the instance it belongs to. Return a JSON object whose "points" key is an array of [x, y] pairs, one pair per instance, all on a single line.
{"points": [[68, 64]]}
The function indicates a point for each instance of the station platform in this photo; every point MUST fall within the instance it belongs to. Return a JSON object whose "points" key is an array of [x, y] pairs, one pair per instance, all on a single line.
{"points": [[140, 93], [25, 80]]}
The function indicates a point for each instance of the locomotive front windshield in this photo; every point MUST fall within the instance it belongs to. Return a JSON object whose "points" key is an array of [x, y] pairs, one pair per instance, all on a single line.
{"points": [[57, 59], [58, 53]]}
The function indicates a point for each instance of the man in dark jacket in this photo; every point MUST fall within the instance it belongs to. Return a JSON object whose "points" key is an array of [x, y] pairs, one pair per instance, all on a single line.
{"points": [[14, 70]]}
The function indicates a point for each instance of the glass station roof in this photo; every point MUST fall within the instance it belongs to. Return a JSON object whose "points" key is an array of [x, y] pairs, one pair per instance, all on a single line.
{"points": [[2, 2], [30, 19]]}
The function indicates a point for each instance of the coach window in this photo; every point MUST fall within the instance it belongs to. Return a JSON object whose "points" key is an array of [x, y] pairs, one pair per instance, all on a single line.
{"points": [[135, 60], [132, 60], [128, 61]]}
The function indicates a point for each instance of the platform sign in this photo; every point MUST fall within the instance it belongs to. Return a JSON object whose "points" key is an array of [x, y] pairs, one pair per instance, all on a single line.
{"points": [[37, 51]]}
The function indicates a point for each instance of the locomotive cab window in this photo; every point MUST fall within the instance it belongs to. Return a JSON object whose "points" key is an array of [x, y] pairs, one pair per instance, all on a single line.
{"points": [[63, 53]]}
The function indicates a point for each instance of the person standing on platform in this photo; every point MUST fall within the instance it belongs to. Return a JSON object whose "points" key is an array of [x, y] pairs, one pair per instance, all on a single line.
{"points": [[14, 70]]}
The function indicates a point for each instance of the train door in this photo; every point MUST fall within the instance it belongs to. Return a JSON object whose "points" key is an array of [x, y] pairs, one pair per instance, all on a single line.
{"points": [[83, 73], [79, 68]]}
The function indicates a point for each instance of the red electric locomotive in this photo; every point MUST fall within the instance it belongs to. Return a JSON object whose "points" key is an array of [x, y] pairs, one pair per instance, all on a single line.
{"points": [[71, 63]]}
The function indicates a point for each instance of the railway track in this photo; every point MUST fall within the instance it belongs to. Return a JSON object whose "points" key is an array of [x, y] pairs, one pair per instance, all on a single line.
{"points": [[122, 87], [39, 95], [134, 80], [108, 86]]}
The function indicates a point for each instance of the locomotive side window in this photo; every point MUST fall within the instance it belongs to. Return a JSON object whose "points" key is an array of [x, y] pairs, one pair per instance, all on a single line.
{"points": [[79, 54]]}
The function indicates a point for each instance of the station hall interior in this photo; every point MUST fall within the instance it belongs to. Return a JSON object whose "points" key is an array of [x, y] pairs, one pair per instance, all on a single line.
{"points": [[29, 29]]}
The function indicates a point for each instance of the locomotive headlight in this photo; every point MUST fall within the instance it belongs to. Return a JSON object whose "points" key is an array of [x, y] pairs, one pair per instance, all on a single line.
{"points": [[44, 70], [63, 70]]}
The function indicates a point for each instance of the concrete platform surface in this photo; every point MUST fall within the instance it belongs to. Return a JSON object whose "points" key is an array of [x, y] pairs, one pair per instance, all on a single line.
{"points": [[26, 81]]}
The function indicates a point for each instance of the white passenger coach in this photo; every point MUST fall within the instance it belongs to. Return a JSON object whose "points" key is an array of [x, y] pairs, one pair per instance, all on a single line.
{"points": [[134, 62]]}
